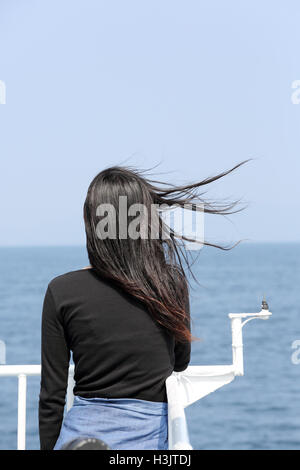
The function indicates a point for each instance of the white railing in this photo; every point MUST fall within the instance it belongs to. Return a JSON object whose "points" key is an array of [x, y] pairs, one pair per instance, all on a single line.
{"points": [[183, 388], [22, 372]]}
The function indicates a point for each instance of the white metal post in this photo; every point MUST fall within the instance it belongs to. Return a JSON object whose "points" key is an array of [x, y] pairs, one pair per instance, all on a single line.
{"points": [[237, 345], [177, 427], [238, 321], [22, 385]]}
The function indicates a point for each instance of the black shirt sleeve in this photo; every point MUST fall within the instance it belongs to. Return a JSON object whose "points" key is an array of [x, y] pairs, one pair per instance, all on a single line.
{"points": [[55, 357], [183, 350]]}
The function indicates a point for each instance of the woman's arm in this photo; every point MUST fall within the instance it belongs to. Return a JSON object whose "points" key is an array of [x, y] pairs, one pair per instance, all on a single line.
{"points": [[55, 357], [183, 350]]}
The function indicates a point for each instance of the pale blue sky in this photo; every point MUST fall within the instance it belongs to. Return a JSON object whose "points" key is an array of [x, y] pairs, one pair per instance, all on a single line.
{"points": [[195, 85]]}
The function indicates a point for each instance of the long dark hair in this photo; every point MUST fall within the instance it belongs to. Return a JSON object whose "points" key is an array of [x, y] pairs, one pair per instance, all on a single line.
{"points": [[148, 268]]}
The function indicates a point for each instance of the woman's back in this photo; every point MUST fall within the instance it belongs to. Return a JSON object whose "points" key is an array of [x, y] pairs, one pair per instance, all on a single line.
{"points": [[119, 350], [126, 319]]}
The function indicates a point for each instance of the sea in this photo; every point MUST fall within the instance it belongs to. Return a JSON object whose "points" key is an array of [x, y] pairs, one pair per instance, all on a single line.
{"points": [[260, 410]]}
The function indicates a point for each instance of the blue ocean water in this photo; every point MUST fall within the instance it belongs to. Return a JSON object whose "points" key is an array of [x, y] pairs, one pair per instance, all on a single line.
{"points": [[258, 411]]}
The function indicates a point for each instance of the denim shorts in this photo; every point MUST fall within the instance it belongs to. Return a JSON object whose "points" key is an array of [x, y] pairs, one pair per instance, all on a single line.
{"points": [[122, 423]]}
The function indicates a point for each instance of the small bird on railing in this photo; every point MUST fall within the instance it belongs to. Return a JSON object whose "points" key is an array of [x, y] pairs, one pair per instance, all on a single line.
{"points": [[264, 304]]}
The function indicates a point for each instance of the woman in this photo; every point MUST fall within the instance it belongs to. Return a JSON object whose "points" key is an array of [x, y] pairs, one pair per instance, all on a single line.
{"points": [[125, 318]]}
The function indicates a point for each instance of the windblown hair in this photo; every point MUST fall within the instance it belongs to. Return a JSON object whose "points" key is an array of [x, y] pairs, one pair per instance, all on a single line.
{"points": [[147, 268]]}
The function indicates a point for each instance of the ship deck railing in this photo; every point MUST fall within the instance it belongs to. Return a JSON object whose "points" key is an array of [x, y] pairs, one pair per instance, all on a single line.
{"points": [[183, 388]]}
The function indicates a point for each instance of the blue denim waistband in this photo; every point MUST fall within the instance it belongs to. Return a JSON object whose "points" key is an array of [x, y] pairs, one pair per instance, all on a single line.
{"points": [[134, 404]]}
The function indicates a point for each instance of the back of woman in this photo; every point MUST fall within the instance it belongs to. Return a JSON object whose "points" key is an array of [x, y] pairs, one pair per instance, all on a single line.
{"points": [[125, 318]]}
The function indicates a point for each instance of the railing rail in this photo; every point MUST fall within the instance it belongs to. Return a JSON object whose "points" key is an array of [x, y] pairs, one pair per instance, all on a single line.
{"points": [[22, 372], [177, 425], [183, 388]]}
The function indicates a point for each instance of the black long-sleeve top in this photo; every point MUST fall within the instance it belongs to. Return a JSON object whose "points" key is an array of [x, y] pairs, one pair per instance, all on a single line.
{"points": [[119, 350]]}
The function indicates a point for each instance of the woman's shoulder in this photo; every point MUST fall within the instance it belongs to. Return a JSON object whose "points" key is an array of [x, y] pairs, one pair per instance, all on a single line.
{"points": [[70, 277]]}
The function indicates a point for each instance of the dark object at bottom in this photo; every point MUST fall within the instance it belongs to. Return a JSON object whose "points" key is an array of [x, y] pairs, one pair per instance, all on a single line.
{"points": [[86, 443]]}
